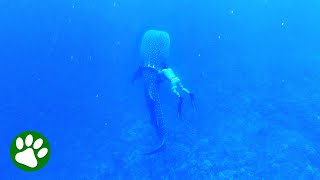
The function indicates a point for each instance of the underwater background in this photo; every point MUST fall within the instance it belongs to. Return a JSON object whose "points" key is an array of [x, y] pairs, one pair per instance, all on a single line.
{"points": [[253, 65]]}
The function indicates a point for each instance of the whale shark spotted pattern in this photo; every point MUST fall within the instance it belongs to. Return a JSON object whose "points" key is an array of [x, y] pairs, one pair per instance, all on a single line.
{"points": [[155, 48]]}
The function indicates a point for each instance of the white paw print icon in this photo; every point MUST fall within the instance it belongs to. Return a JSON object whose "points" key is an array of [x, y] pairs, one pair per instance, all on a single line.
{"points": [[30, 153]]}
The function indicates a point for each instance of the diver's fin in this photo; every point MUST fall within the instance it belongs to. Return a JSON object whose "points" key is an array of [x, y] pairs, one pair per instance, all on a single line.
{"points": [[180, 107], [192, 101], [157, 150]]}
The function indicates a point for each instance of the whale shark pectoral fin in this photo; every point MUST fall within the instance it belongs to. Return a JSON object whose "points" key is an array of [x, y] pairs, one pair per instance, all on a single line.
{"points": [[137, 75]]}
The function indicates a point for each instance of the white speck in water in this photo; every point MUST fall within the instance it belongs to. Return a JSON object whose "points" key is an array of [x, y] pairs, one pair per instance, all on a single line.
{"points": [[97, 95], [71, 57], [73, 6], [219, 37], [105, 123], [282, 24], [231, 11], [199, 54], [115, 4], [203, 74]]}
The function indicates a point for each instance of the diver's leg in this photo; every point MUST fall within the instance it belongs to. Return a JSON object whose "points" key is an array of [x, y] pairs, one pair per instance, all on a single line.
{"points": [[174, 90], [183, 88]]}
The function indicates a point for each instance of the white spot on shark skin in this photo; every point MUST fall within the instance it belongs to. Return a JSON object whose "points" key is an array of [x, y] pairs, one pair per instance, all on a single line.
{"points": [[35, 75], [219, 37], [282, 24], [74, 59], [231, 11]]}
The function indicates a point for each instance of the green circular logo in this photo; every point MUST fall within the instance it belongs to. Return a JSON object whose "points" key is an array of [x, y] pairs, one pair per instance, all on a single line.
{"points": [[30, 151]]}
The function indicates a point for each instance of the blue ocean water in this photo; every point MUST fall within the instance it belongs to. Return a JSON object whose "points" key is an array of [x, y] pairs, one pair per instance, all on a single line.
{"points": [[65, 68]]}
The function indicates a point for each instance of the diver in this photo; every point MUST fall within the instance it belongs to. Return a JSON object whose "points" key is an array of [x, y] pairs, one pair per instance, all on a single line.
{"points": [[167, 73], [175, 84]]}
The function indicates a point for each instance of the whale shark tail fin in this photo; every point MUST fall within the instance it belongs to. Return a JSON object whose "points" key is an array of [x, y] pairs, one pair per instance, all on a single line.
{"points": [[158, 149]]}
